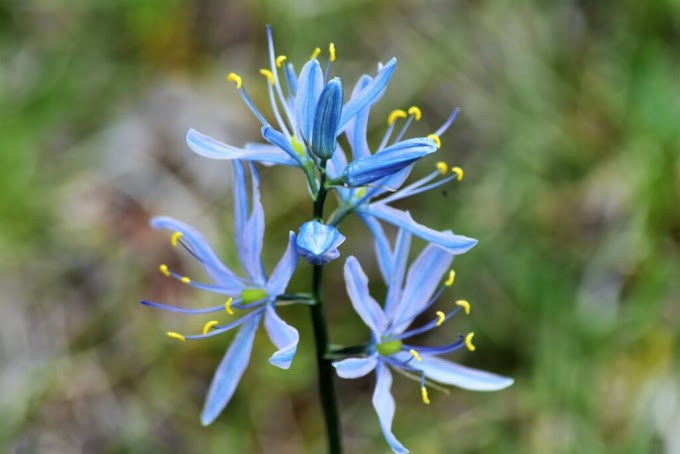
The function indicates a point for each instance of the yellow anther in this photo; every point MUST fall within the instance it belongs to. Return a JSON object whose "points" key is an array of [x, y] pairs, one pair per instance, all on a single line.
{"points": [[415, 355], [465, 305], [209, 325], [279, 60], [175, 238], [185, 280], [315, 53], [452, 277], [227, 306], [468, 342], [233, 77], [164, 269], [458, 171], [436, 139], [417, 114], [269, 75], [396, 113], [423, 394], [440, 318], [442, 167], [331, 51], [175, 335]]}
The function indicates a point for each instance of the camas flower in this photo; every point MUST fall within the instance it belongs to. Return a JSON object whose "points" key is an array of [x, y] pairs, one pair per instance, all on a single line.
{"points": [[388, 348], [254, 294], [318, 243]]}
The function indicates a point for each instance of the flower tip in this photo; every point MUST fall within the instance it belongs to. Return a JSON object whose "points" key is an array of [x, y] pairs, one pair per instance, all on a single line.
{"points": [[318, 243]]}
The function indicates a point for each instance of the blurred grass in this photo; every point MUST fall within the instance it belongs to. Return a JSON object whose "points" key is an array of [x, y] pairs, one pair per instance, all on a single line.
{"points": [[570, 142]]}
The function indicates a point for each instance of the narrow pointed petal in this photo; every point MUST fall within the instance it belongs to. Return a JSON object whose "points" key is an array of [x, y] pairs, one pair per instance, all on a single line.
{"points": [[449, 373], [274, 137], [355, 367], [383, 251], [326, 118], [263, 148], [357, 125], [357, 289], [384, 407], [210, 148], [402, 246], [278, 281], [318, 243], [217, 271], [229, 372], [424, 276], [455, 244], [388, 162], [369, 95], [284, 336], [309, 87], [249, 230]]}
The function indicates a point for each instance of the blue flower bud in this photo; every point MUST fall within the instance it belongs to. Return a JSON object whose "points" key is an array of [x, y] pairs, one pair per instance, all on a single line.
{"points": [[318, 243], [326, 120]]}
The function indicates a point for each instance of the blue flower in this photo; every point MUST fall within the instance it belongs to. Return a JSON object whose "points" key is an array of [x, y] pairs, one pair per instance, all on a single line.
{"points": [[254, 294], [388, 348], [318, 243]]}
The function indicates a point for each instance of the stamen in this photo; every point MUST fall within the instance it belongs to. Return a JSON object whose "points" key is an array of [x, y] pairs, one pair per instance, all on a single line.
{"points": [[185, 280], [436, 139], [458, 171], [415, 355], [233, 77], [468, 342], [269, 75], [452, 277], [423, 394], [417, 114], [331, 51], [465, 305], [396, 113], [227, 306], [279, 60], [442, 167], [175, 335], [315, 53], [441, 317], [209, 325], [164, 269], [175, 237]]}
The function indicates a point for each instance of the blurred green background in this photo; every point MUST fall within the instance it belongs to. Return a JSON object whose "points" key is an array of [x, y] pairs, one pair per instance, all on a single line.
{"points": [[570, 143]]}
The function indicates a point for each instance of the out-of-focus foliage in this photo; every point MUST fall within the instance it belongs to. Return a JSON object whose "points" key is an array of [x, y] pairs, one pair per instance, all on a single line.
{"points": [[569, 137]]}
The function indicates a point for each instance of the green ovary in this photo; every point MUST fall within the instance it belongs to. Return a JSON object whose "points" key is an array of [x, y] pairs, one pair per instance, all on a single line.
{"points": [[389, 348], [250, 295]]}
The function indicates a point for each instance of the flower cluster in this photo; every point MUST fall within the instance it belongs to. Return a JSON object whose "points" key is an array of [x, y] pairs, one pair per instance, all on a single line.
{"points": [[310, 114]]}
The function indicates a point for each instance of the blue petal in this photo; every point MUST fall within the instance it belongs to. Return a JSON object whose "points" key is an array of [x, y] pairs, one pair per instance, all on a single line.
{"points": [[335, 166], [326, 118], [211, 148], [357, 125], [278, 281], [217, 271], [384, 406], [318, 243], [382, 246], [262, 148], [229, 372], [249, 230], [455, 244], [284, 336], [355, 367], [449, 373], [369, 95], [274, 137], [424, 276], [402, 247], [357, 289], [389, 161], [310, 85]]}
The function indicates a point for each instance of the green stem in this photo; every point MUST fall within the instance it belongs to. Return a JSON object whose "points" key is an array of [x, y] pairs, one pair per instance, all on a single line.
{"points": [[324, 364]]}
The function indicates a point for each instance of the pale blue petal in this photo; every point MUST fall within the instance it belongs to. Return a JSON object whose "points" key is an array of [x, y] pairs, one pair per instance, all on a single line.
{"points": [[455, 244], [357, 125], [402, 246], [263, 148], [200, 248], [229, 372], [383, 251], [369, 95], [318, 243], [249, 230], [355, 367], [334, 169], [274, 137], [210, 148], [384, 406], [284, 336], [389, 161], [449, 373], [357, 289], [278, 281], [254, 235], [310, 85]]}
